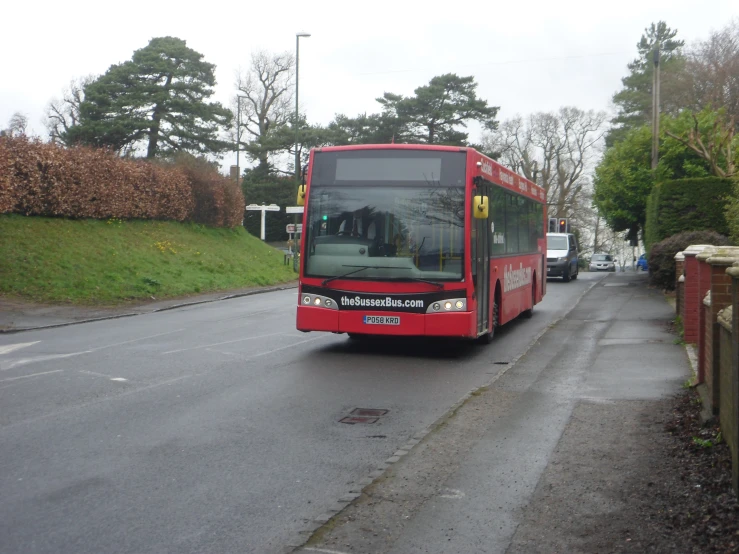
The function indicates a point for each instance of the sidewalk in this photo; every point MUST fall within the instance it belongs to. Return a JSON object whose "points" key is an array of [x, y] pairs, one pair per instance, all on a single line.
{"points": [[561, 452], [17, 316]]}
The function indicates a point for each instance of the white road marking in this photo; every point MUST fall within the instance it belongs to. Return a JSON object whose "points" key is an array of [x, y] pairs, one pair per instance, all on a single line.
{"points": [[103, 375], [32, 375], [284, 347], [8, 348], [221, 343], [46, 358], [135, 340], [324, 550], [95, 373]]}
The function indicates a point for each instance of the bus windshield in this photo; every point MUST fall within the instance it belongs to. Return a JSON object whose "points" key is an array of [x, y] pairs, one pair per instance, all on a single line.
{"points": [[394, 232]]}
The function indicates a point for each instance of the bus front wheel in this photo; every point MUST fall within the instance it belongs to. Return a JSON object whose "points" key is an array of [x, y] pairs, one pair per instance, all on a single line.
{"points": [[488, 337]]}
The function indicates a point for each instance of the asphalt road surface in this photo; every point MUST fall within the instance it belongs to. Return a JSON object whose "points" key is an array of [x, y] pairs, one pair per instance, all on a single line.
{"points": [[216, 428]]}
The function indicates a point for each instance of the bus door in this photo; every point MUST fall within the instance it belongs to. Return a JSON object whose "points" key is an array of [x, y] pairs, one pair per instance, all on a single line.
{"points": [[481, 263]]}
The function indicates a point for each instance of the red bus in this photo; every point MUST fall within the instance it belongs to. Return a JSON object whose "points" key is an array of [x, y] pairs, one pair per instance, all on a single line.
{"points": [[417, 240]]}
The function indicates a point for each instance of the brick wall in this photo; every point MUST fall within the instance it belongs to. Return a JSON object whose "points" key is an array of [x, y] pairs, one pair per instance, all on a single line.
{"points": [[692, 297]]}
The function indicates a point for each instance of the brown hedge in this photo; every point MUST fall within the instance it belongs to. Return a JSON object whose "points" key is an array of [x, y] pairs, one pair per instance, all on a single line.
{"points": [[45, 179]]}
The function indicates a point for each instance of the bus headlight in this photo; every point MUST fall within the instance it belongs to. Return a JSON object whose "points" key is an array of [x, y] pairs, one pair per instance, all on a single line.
{"points": [[318, 301], [448, 305]]}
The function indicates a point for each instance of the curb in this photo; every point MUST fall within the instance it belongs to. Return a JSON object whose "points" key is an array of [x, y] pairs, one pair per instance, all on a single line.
{"points": [[152, 311]]}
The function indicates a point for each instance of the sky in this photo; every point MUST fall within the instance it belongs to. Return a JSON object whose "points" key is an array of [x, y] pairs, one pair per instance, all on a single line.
{"points": [[526, 57]]}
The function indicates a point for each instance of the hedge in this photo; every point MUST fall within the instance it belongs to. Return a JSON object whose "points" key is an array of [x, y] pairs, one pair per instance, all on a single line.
{"points": [[681, 205], [662, 255], [46, 179]]}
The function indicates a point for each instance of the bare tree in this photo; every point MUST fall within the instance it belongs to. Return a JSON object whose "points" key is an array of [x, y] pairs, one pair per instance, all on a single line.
{"points": [[17, 125], [713, 71], [63, 114], [266, 91], [716, 147], [556, 150]]}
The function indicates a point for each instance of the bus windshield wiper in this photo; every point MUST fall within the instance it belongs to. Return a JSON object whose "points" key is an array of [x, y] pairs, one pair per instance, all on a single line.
{"points": [[419, 280], [361, 268]]}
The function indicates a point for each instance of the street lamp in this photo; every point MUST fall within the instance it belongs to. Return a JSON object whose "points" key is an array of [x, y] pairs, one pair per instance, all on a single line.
{"points": [[238, 135], [297, 114]]}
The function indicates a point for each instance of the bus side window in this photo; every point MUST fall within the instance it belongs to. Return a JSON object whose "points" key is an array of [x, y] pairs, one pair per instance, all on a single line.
{"points": [[498, 218]]}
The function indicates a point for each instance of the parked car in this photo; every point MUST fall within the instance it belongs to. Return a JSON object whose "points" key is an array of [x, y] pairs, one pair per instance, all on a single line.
{"points": [[562, 256], [641, 263], [602, 262]]}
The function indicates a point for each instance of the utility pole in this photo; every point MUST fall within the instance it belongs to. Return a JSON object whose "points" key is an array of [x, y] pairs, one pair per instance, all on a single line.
{"points": [[655, 108]]}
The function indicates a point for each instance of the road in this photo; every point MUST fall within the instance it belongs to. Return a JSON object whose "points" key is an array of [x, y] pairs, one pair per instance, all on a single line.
{"points": [[216, 428]]}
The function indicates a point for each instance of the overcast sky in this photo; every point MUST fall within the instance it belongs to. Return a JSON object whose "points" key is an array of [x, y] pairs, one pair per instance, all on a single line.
{"points": [[527, 56]]}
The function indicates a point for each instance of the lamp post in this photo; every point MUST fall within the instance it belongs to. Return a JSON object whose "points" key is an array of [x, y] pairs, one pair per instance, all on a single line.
{"points": [[238, 135], [297, 137], [297, 113]]}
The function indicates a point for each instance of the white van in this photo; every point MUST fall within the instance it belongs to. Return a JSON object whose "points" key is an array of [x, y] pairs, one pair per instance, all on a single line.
{"points": [[562, 256]]}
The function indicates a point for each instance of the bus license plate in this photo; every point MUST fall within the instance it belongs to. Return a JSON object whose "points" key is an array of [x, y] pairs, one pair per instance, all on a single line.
{"points": [[381, 320]]}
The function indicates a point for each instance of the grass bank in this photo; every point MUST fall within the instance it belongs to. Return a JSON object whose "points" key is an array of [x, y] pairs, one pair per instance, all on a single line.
{"points": [[94, 262]]}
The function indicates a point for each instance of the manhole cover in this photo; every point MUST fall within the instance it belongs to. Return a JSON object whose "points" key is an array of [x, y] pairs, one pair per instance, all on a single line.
{"points": [[368, 412], [363, 415], [354, 420]]}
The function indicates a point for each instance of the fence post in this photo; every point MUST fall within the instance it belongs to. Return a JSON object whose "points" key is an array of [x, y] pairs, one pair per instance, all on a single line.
{"points": [[680, 286], [733, 272]]}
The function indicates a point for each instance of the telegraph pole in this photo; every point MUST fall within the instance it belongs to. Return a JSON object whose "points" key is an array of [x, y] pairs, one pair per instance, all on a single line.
{"points": [[655, 108]]}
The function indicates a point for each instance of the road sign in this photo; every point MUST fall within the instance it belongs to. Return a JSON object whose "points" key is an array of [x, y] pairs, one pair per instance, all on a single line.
{"points": [[290, 228], [263, 208], [294, 209]]}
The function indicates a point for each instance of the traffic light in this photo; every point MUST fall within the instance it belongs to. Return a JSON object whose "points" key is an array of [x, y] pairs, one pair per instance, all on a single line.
{"points": [[552, 225], [563, 225]]}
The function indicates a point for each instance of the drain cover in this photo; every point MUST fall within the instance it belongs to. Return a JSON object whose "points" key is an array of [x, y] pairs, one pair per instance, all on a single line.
{"points": [[354, 420], [363, 415], [368, 412]]}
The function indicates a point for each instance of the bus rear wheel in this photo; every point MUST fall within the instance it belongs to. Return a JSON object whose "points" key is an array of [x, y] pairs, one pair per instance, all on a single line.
{"points": [[530, 312]]}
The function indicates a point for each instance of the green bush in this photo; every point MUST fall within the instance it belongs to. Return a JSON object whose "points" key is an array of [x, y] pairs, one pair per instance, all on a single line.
{"points": [[732, 213], [681, 205], [662, 255]]}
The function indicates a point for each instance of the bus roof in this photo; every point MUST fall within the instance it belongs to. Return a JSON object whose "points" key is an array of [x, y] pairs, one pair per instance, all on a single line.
{"points": [[489, 167], [392, 146]]}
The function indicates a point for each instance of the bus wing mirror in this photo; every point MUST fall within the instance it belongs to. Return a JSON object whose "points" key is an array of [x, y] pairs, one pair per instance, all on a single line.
{"points": [[303, 173], [480, 204], [301, 195]]}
